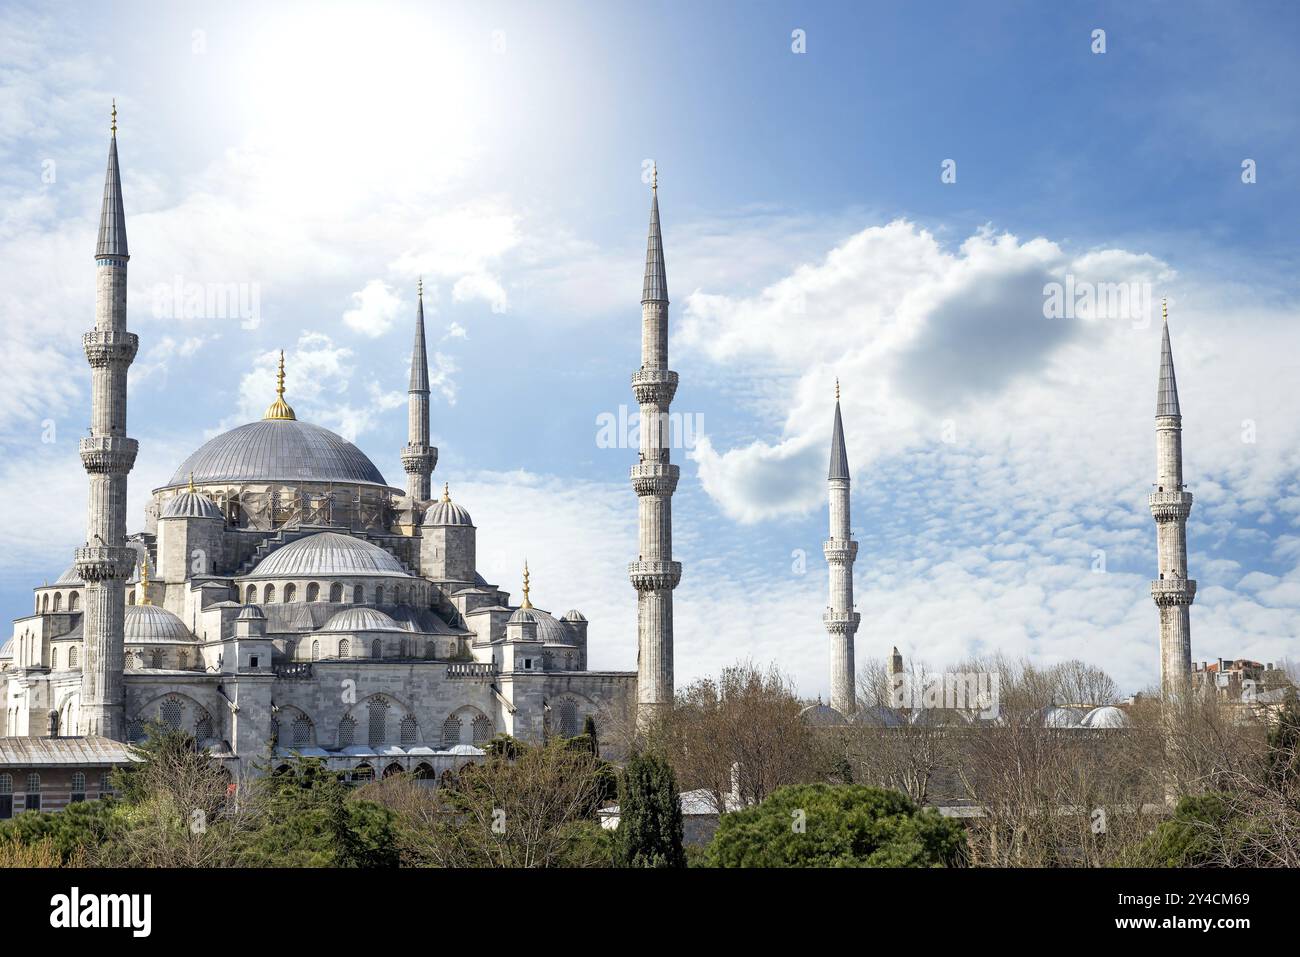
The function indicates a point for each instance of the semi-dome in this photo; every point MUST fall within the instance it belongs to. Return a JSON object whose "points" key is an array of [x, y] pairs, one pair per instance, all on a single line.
{"points": [[278, 450], [327, 555], [361, 619], [70, 577], [250, 613], [147, 624], [1107, 716], [446, 512], [191, 505]]}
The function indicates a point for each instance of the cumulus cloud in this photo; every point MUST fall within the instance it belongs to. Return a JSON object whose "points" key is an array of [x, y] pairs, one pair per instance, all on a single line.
{"points": [[376, 308]]}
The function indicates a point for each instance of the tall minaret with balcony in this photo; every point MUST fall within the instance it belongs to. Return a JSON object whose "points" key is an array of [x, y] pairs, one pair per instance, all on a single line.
{"points": [[106, 562], [419, 458], [654, 574], [1171, 503], [841, 550]]}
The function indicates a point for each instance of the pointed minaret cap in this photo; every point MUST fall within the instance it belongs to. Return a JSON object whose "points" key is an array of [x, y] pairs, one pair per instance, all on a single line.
{"points": [[419, 356], [839, 457], [655, 287], [1167, 391], [112, 216]]}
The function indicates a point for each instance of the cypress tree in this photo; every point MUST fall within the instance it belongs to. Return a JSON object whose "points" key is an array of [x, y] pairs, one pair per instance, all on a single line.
{"points": [[650, 815]]}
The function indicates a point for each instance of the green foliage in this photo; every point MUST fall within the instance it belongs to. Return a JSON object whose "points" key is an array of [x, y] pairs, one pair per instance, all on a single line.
{"points": [[308, 818], [587, 844], [847, 825], [1284, 746], [505, 746], [650, 815], [1193, 837], [80, 826]]}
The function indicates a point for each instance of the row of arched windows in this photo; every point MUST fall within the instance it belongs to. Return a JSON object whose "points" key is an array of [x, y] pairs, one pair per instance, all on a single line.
{"points": [[455, 728], [393, 594], [406, 648], [44, 606], [70, 659]]}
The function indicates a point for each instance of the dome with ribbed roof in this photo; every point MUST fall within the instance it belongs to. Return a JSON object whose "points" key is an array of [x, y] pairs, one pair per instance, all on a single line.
{"points": [[361, 619], [549, 630], [149, 624], [278, 450], [573, 615], [1107, 716], [327, 555], [251, 613], [70, 577], [191, 505], [446, 512]]}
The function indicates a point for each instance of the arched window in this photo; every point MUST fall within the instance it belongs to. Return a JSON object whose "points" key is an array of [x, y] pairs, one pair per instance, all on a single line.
{"points": [[376, 649], [345, 648], [269, 595], [78, 787], [392, 770], [362, 773], [172, 712], [301, 731], [6, 796], [252, 594], [74, 601], [182, 660], [379, 594], [315, 650], [45, 604], [569, 726], [423, 771], [130, 597], [358, 594], [313, 592], [347, 731], [72, 657], [482, 730], [336, 592], [203, 727], [410, 731], [58, 601], [403, 648], [430, 649], [105, 784], [33, 792], [135, 730], [54, 659], [290, 592], [451, 729], [157, 661], [378, 720]]}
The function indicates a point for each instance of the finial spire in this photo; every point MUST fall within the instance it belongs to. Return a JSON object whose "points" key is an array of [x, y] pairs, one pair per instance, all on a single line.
{"points": [[837, 388], [1164, 309], [191, 488], [419, 288], [114, 126], [279, 409], [839, 456], [526, 603], [655, 286], [1167, 390], [654, 175], [446, 492], [112, 215]]}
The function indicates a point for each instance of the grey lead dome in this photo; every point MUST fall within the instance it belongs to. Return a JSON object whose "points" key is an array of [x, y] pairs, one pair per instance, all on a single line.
{"points": [[327, 554], [278, 450]]}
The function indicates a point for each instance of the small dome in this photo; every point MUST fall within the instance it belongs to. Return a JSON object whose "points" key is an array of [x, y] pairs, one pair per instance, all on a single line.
{"points": [[191, 505], [1107, 716], [445, 512], [328, 554], [1054, 717], [822, 714], [250, 613], [573, 615], [549, 631], [7, 650], [149, 624], [525, 614], [70, 577], [361, 619], [466, 749], [878, 716]]}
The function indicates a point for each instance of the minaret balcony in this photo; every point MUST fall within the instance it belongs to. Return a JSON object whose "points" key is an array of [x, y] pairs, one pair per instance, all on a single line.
{"points": [[841, 622], [654, 386], [1170, 506], [105, 347], [654, 576], [419, 459], [1173, 591], [100, 563], [840, 549], [655, 478], [108, 454]]}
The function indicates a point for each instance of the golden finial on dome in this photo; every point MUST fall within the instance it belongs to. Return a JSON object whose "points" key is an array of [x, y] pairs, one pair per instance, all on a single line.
{"points": [[654, 175], [191, 488], [837, 388], [446, 493], [279, 409], [144, 582], [526, 602], [114, 116]]}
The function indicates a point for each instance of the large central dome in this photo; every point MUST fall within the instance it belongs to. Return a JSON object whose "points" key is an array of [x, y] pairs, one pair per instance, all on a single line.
{"points": [[278, 450]]}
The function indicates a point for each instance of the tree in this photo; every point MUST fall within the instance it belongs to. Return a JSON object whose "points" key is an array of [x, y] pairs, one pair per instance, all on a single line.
{"points": [[649, 815], [1193, 837], [847, 825], [69, 834]]}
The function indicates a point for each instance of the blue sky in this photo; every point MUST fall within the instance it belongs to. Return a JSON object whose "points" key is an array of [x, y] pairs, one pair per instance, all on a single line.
{"points": [[320, 157]]}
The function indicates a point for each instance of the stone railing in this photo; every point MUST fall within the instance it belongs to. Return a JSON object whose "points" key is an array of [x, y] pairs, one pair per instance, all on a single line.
{"points": [[472, 669], [1173, 591], [1169, 506], [300, 671]]}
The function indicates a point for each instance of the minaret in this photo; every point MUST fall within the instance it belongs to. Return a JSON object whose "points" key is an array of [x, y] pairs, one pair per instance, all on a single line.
{"points": [[840, 549], [418, 457], [1170, 503], [654, 574], [106, 562]]}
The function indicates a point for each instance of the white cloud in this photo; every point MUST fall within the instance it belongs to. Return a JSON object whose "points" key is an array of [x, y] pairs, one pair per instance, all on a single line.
{"points": [[377, 308]]}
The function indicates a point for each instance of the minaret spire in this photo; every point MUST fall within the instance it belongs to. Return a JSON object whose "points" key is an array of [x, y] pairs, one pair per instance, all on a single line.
{"points": [[419, 458], [654, 574], [841, 551], [105, 562], [1173, 592]]}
